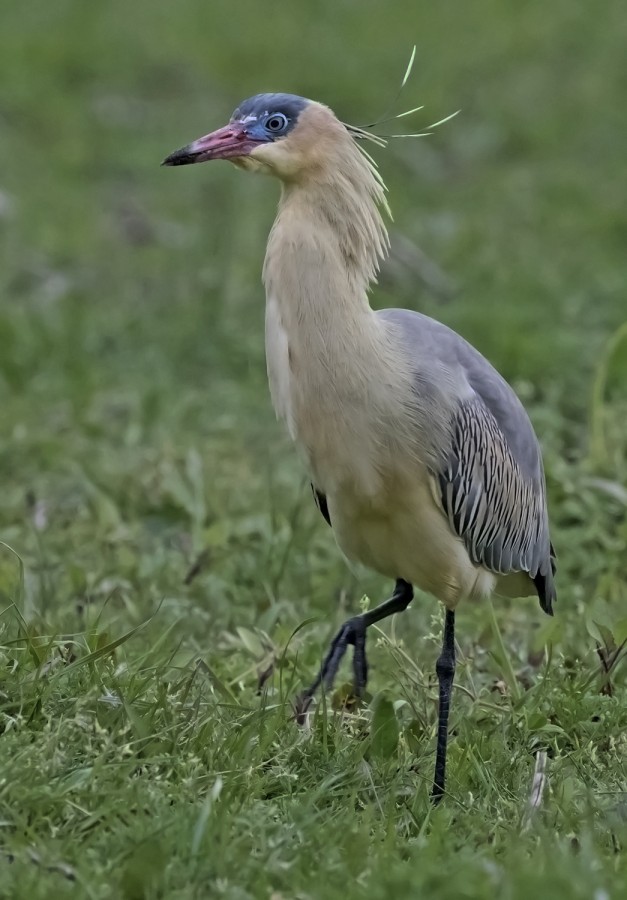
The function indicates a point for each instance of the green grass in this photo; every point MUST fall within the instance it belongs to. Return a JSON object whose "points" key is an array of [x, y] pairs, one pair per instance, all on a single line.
{"points": [[160, 548]]}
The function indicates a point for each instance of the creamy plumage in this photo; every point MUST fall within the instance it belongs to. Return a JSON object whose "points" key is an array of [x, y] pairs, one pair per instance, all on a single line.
{"points": [[422, 458], [374, 401]]}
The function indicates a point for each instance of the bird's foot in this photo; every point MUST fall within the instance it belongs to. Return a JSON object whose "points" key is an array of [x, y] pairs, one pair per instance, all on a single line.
{"points": [[353, 631]]}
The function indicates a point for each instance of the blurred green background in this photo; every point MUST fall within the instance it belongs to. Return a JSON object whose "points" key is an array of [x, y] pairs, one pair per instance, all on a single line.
{"points": [[142, 472]]}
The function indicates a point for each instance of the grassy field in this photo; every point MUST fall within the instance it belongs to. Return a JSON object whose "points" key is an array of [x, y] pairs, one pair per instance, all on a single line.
{"points": [[159, 545]]}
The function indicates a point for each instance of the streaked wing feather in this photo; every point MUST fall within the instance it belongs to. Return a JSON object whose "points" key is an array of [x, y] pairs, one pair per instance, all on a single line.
{"points": [[499, 512]]}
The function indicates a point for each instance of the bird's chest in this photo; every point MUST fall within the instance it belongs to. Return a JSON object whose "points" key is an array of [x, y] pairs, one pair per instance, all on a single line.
{"points": [[278, 364], [326, 404]]}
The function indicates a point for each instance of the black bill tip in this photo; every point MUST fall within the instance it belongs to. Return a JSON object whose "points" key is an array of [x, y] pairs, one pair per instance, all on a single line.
{"points": [[182, 157]]}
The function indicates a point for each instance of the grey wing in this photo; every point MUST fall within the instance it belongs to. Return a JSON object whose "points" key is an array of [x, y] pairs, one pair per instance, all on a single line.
{"points": [[498, 510], [489, 472]]}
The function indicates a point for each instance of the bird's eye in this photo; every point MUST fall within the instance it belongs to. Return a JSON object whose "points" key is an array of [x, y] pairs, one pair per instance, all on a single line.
{"points": [[276, 123]]}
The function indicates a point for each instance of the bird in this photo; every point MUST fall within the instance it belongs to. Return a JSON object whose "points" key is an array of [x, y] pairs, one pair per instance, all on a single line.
{"points": [[422, 458]]}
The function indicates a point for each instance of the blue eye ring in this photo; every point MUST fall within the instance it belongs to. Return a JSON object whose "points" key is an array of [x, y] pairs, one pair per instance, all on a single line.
{"points": [[276, 123]]}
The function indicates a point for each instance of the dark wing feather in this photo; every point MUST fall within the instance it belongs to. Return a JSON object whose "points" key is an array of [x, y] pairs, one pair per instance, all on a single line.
{"points": [[321, 502], [498, 511]]}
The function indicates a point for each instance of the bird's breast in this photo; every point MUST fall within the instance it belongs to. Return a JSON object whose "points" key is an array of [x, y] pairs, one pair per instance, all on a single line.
{"points": [[331, 404], [278, 364]]}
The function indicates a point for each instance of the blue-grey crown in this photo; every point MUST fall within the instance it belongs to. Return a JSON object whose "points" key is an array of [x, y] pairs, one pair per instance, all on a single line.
{"points": [[290, 105]]}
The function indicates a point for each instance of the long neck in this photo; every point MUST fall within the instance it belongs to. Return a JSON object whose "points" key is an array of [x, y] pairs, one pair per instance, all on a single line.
{"points": [[336, 376], [325, 246]]}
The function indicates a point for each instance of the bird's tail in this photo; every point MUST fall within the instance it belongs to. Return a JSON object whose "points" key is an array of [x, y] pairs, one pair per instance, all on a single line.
{"points": [[545, 584]]}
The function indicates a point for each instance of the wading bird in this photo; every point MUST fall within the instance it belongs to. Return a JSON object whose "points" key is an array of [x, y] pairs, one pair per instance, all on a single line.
{"points": [[422, 458]]}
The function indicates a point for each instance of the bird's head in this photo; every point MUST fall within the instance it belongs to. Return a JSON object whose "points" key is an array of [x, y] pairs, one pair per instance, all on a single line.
{"points": [[281, 134]]}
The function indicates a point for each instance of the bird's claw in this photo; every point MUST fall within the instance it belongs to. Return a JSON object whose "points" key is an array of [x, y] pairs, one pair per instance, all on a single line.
{"points": [[353, 631]]}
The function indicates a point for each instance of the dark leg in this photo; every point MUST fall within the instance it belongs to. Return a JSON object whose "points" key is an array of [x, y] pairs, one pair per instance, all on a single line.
{"points": [[353, 631], [445, 668]]}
